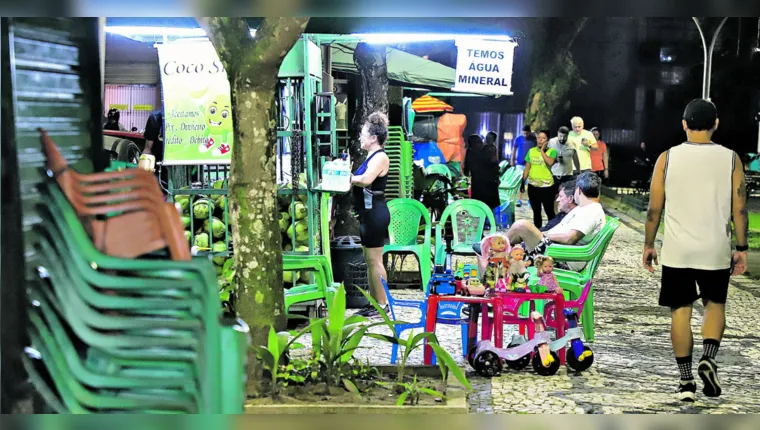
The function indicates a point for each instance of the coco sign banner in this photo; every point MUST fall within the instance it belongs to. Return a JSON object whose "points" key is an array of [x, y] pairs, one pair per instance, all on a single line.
{"points": [[197, 108], [484, 66]]}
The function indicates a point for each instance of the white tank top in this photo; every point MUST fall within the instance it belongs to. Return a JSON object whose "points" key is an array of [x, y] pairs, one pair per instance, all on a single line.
{"points": [[698, 207]]}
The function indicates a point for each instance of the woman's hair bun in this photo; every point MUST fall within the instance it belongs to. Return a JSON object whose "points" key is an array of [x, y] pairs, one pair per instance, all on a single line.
{"points": [[378, 126], [378, 118]]}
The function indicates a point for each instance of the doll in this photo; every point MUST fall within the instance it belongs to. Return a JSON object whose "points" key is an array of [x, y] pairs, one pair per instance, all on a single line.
{"points": [[497, 262], [518, 274], [546, 277]]}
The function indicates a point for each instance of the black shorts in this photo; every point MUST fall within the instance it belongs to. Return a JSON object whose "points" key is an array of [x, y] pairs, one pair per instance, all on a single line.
{"points": [[679, 286], [374, 225]]}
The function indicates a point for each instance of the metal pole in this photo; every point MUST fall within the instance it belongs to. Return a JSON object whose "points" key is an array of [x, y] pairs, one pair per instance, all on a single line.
{"points": [[707, 67]]}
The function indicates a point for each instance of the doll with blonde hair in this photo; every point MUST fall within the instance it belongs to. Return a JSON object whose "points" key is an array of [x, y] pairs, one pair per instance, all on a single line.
{"points": [[546, 277]]}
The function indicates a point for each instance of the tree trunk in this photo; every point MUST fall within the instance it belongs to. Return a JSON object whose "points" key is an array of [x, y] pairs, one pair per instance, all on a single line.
{"points": [[252, 68], [555, 73], [373, 97]]}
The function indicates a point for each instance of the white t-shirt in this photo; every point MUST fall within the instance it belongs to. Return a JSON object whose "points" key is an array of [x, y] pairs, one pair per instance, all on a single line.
{"points": [[584, 153], [588, 220], [566, 151]]}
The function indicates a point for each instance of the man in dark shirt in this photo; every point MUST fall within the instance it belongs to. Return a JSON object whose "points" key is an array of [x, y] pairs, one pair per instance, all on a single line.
{"points": [[482, 165], [565, 203], [154, 135], [154, 144]]}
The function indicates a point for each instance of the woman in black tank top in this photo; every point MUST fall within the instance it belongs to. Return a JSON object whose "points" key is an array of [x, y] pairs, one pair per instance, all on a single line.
{"points": [[368, 195]]}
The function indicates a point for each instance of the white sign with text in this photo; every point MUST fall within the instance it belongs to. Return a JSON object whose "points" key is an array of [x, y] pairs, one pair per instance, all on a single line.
{"points": [[484, 66]]}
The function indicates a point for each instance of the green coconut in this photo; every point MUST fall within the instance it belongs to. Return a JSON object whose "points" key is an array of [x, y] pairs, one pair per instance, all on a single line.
{"points": [[219, 247], [202, 208]]}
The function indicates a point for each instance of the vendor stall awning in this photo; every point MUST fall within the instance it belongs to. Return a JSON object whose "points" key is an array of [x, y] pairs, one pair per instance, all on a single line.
{"points": [[430, 104], [402, 66]]}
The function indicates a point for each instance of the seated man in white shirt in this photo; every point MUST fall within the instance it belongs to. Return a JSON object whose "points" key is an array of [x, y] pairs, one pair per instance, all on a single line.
{"points": [[579, 227]]}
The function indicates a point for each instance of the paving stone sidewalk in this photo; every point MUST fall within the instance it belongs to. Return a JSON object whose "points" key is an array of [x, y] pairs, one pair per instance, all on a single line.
{"points": [[634, 370]]}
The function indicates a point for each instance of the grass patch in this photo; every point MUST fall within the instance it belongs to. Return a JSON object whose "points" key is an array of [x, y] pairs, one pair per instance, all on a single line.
{"points": [[754, 230]]}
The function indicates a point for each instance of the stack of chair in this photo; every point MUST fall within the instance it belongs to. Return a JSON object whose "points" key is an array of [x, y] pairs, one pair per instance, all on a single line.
{"points": [[121, 319], [400, 153]]}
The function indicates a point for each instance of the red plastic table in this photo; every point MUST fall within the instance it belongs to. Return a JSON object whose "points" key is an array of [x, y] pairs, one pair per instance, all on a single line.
{"points": [[501, 302], [432, 317]]}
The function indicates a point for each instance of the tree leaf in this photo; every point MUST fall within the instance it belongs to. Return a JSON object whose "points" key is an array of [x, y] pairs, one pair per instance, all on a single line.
{"points": [[402, 398], [431, 392], [273, 344], [386, 319], [355, 319], [317, 331], [337, 313], [442, 355], [264, 355], [353, 342], [282, 342], [390, 339], [351, 387]]}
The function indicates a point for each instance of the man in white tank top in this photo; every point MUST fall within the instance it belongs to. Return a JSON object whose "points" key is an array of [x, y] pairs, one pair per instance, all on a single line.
{"points": [[700, 185]]}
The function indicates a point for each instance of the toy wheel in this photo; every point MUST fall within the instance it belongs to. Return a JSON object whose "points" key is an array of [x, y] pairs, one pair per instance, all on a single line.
{"points": [[519, 364], [471, 356], [488, 364], [575, 364], [538, 366]]}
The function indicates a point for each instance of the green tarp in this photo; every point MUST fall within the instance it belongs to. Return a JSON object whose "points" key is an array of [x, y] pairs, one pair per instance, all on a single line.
{"points": [[402, 67]]}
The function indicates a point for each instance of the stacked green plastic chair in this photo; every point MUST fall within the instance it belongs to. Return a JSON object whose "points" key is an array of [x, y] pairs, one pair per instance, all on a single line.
{"points": [[407, 217], [509, 185], [113, 335], [400, 152]]}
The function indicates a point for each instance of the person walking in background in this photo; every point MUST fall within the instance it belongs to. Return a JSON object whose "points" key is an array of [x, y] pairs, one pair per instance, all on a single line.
{"points": [[583, 142], [540, 179], [519, 151], [600, 156], [567, 157], [700, 186], [481, 163]]}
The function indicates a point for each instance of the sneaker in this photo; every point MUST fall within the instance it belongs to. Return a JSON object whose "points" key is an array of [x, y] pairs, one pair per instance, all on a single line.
{"points": [[687, 390], [369, 311], [708, 371]]}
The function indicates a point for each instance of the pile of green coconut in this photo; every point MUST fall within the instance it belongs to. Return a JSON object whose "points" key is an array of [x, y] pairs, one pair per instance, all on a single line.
{"points": [[204, 218]]}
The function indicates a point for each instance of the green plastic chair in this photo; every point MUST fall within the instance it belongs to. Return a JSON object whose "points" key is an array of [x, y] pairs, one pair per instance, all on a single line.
{"points": [[573, 282], [509, 185], [323, 287], [468, 218], [404, 229], [198, 277], [63, 351], [67, 290], [119, 400]]}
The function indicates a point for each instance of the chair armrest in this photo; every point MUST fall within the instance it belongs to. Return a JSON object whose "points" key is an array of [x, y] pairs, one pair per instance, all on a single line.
{"points": [[561, 252]]}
